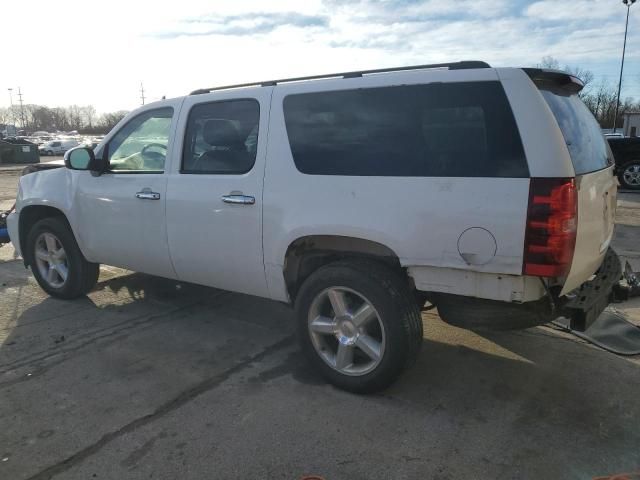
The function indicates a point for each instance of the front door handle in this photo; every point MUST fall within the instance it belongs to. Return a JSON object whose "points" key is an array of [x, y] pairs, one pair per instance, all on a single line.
{"points": [[147, 194], [238, 199]]}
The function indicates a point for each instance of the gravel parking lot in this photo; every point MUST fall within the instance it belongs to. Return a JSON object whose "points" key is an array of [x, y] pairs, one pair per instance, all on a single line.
{"points": [[147, 378]]}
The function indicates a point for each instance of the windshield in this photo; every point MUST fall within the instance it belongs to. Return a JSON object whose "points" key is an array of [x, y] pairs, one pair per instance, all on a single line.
{"points": [[587, 146]]}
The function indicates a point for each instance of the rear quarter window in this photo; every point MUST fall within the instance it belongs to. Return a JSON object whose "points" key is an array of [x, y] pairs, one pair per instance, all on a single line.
{"points": [[587, 146], [440, 130]]}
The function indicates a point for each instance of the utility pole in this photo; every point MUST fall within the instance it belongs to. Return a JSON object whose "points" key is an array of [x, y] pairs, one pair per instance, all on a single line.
{"points": [[21, 109], [10, 108], [142, 91], [628, 4]]}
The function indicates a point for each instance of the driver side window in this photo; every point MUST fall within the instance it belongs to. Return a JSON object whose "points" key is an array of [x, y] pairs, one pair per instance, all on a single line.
{"points": [[141, 145]]}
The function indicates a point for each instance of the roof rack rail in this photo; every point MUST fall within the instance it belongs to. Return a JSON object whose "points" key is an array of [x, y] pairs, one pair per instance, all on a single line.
{"points": [[464, 65]]}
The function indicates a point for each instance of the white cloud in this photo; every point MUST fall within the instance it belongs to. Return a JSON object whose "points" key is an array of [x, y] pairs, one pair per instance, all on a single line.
{"points": [[85, 52], [574, 11]]}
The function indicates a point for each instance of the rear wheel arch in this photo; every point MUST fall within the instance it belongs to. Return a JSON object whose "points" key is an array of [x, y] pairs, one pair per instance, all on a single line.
{"points": [[307, 254]]}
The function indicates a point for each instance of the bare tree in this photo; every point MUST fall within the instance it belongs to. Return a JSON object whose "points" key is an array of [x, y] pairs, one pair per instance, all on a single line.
{"points": [[600, 99], [5, 116], [109, 120], [89, 114], [549, 62]]}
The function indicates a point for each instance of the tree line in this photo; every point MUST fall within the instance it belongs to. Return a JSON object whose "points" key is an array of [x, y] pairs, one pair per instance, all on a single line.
{"points": [[84, 119], [599, 98]]}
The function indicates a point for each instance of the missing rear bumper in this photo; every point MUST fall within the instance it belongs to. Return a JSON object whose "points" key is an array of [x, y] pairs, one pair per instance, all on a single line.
{"points": [[583, 305]]}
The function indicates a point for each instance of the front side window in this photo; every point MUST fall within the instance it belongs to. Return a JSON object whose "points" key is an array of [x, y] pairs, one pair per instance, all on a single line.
{"points": [[221, 137], [439, 130], [141, 145]]}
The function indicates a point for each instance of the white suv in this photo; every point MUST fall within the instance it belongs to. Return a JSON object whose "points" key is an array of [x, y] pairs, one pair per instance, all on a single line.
{"points": [[356, 197]]}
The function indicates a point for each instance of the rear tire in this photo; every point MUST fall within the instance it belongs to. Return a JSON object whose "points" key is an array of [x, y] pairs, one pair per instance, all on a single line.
{"points": [[358, 324], [629, 175], [56, 260]]}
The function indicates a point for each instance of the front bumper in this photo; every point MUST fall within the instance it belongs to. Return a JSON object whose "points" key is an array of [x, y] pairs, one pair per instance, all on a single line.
{"points": [[14, 231]]}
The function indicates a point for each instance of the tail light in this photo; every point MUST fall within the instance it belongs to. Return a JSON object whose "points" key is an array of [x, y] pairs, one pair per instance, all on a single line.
{"points": [[552, 221]]}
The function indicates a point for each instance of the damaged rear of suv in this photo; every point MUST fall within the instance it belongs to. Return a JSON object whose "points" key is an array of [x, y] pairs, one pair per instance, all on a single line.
{"points": [[569, 224]]}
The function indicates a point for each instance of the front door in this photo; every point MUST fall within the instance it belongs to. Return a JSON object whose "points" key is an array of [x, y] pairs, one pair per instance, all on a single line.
{"points": [[214, 195], [122, 212]]}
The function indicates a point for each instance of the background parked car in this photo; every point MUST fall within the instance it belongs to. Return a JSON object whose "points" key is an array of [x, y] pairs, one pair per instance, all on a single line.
{"points": [[57, 147], [626, 151]]}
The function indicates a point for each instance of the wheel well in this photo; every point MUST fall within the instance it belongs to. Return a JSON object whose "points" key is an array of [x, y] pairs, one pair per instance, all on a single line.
{"points": [[305, 255], [28, 217]]}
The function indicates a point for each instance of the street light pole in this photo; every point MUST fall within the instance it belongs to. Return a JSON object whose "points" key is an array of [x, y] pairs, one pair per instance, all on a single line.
{"points": [[628, 4]]}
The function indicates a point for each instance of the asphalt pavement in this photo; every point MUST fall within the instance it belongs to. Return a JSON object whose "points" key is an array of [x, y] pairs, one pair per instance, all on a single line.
{"points": [[149, 378]]}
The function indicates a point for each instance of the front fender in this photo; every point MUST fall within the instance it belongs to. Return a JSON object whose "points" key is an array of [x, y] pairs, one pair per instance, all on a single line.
{"points": [[50, 188]]}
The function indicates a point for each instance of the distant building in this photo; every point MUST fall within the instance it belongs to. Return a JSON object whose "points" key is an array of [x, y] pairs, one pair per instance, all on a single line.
{"points": [[8, 130], [631, 127]]}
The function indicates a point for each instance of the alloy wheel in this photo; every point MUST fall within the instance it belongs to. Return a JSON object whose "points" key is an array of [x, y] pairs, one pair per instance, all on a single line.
{"points": [[346, 331], [51, 260], [631, 175]]}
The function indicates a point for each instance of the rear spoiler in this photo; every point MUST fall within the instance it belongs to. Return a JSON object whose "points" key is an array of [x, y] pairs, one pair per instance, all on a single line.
{"points": [[555, 78]]}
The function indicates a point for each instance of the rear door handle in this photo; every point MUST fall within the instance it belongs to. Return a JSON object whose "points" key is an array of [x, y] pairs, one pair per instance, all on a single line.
{"points": [[239, 199], [147, 194]]}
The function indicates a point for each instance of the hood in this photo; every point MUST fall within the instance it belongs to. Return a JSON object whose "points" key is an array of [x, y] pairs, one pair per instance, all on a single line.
{"points": [[36, 167]]}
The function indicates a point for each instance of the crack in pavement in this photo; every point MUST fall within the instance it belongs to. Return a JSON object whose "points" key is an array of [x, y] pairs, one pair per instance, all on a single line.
{"points": [[167, 407]]}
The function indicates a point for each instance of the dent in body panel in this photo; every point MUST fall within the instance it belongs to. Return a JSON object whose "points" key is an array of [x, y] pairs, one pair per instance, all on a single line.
{"points": [[53, 188], [596, 212]]}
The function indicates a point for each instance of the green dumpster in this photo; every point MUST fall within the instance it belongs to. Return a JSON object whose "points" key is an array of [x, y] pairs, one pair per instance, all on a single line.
{"points": [[18, 151]]}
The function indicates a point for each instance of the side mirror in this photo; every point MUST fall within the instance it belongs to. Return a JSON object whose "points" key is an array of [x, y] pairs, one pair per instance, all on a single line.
{"points": [[83, 158]]}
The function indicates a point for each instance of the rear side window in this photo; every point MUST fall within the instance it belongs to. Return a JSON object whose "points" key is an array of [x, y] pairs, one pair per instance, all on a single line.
{"points": [[587, 146], [440, 130], [221, 137]]}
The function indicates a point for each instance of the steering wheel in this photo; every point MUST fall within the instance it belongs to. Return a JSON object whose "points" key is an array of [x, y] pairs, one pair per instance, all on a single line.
{"points": [[157, 158]]}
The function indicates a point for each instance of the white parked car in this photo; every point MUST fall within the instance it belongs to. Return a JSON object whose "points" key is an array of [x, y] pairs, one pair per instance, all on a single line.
{"points": [[57, 147], [355, 197]]}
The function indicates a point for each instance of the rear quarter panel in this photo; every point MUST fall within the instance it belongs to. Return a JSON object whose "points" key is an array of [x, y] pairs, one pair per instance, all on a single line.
{"points": [[419, 218], [543, 143]]}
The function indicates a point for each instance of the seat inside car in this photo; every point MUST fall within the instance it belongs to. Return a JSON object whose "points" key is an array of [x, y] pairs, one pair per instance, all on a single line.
{"points": [[228, 152]]}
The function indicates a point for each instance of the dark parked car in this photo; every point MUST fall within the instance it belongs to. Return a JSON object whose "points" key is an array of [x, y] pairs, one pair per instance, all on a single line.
{"points": [[626, 152]]}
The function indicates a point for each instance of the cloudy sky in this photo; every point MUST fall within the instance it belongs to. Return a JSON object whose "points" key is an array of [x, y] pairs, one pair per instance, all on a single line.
{"points": [[98, 52]]}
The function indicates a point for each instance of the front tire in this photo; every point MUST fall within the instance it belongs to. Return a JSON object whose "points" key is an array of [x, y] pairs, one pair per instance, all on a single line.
{"points": [[629, 175], [358, 325], [57, 262]]}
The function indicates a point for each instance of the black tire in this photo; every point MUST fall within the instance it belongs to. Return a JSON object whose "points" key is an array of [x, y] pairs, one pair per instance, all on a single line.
{"points": [[82, 275], [398, 314], [621, 178]]}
